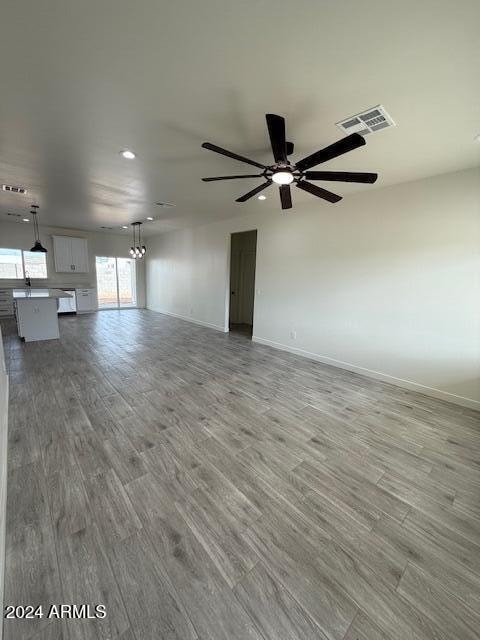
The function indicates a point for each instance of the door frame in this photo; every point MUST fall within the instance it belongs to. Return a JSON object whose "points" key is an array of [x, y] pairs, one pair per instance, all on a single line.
{"points": [[228, 270], [117, 306]]}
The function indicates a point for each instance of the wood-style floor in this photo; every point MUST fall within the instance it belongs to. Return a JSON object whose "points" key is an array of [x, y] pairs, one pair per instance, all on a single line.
{"points": [[204, 487]]}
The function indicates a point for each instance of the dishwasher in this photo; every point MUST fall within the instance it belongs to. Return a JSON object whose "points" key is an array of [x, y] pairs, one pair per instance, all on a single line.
{"points": [[67, 305]]}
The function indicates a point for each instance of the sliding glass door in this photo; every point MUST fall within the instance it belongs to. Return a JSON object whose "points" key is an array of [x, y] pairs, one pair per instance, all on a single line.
{"points": [[127, 294], [116, 282]]}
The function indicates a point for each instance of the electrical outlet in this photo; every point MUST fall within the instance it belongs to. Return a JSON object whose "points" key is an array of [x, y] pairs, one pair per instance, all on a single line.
{"points": [[293, 334]]}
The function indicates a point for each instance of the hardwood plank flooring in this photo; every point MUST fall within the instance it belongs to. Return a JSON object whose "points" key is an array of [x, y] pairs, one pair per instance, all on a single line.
{"points": [[203, 487]]}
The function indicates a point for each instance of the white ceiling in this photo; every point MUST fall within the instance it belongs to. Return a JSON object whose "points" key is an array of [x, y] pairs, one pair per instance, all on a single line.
{"points": [[82, 80]]}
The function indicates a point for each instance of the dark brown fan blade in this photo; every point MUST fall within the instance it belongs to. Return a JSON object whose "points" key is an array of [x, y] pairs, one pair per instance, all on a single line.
{"points": [[318, 191], [342, 176], [254, 192], [230, 154], [290, 148], [285, 196], [276, 130], [336, 149], [253, 175]]}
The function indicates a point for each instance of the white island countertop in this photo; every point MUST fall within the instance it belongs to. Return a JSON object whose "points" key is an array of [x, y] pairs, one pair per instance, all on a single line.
{"points": [[26, 294]]}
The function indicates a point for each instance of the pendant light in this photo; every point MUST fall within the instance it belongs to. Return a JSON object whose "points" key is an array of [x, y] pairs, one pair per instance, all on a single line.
{"points": [[37, 247], [137, 250]]}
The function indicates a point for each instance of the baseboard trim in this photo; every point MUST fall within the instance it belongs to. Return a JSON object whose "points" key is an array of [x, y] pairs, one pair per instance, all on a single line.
{"points": [[384, 377], [202, 323]]}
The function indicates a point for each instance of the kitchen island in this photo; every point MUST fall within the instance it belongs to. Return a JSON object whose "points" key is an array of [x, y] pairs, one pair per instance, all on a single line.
{"points": [[36, 313]]}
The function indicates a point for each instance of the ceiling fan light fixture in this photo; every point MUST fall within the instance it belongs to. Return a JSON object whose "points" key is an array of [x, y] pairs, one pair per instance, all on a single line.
{"points": [[282, 177], [262, 197], [127, 154], [284, 174]]}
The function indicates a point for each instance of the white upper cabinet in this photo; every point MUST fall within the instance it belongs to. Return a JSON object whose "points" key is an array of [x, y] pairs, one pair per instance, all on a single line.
{"points": [[62, 253], [79, 254], [70, 254]]}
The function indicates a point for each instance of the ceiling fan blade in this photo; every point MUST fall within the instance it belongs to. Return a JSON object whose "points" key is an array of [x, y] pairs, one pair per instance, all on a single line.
{"points": [[285, 196], [276, 130], [254, 192], [253, 175], [230, 154], [334, 150], [342, 176], [290, 148], [318, 191]]}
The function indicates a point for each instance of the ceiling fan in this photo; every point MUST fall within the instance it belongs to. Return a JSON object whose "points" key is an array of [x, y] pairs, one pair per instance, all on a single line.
{"points": [[284, 173]]}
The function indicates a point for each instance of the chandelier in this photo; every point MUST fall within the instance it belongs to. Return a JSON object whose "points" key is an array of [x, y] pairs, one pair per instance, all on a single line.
{"points": [[137, 250]]}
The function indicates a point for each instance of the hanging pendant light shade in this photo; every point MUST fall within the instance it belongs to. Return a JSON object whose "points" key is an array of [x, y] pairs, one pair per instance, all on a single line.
{"points": [[37, 247], [137, 250]]}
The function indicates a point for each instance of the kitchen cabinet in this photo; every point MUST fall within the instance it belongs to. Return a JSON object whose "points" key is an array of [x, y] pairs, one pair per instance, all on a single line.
{"points": [[70, 254], [86, 300], [79, 254], [36, 313]]}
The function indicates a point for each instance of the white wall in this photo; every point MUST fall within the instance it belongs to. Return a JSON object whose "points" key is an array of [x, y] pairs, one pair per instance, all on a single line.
{"points": [[20, 236], [386, 282]]}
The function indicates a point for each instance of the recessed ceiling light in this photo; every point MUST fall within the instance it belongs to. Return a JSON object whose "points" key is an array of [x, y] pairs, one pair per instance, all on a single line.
{"points": [[150, 218], [129, 155], [262, 197], [124, 226], [26, 219]]}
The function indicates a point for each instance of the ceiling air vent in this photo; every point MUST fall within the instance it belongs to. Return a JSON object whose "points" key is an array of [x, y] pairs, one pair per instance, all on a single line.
{"points": [[17, 218], [368, 121], [12, 189]]}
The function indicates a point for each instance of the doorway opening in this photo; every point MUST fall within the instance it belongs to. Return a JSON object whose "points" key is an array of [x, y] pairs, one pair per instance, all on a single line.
{"points": [[116, 287], [243, 258]]}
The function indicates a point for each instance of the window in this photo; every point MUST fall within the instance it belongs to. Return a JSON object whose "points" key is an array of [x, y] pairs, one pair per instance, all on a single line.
{"points": [[15, 264], [11, 265], [35, 264], [116, 286]]}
